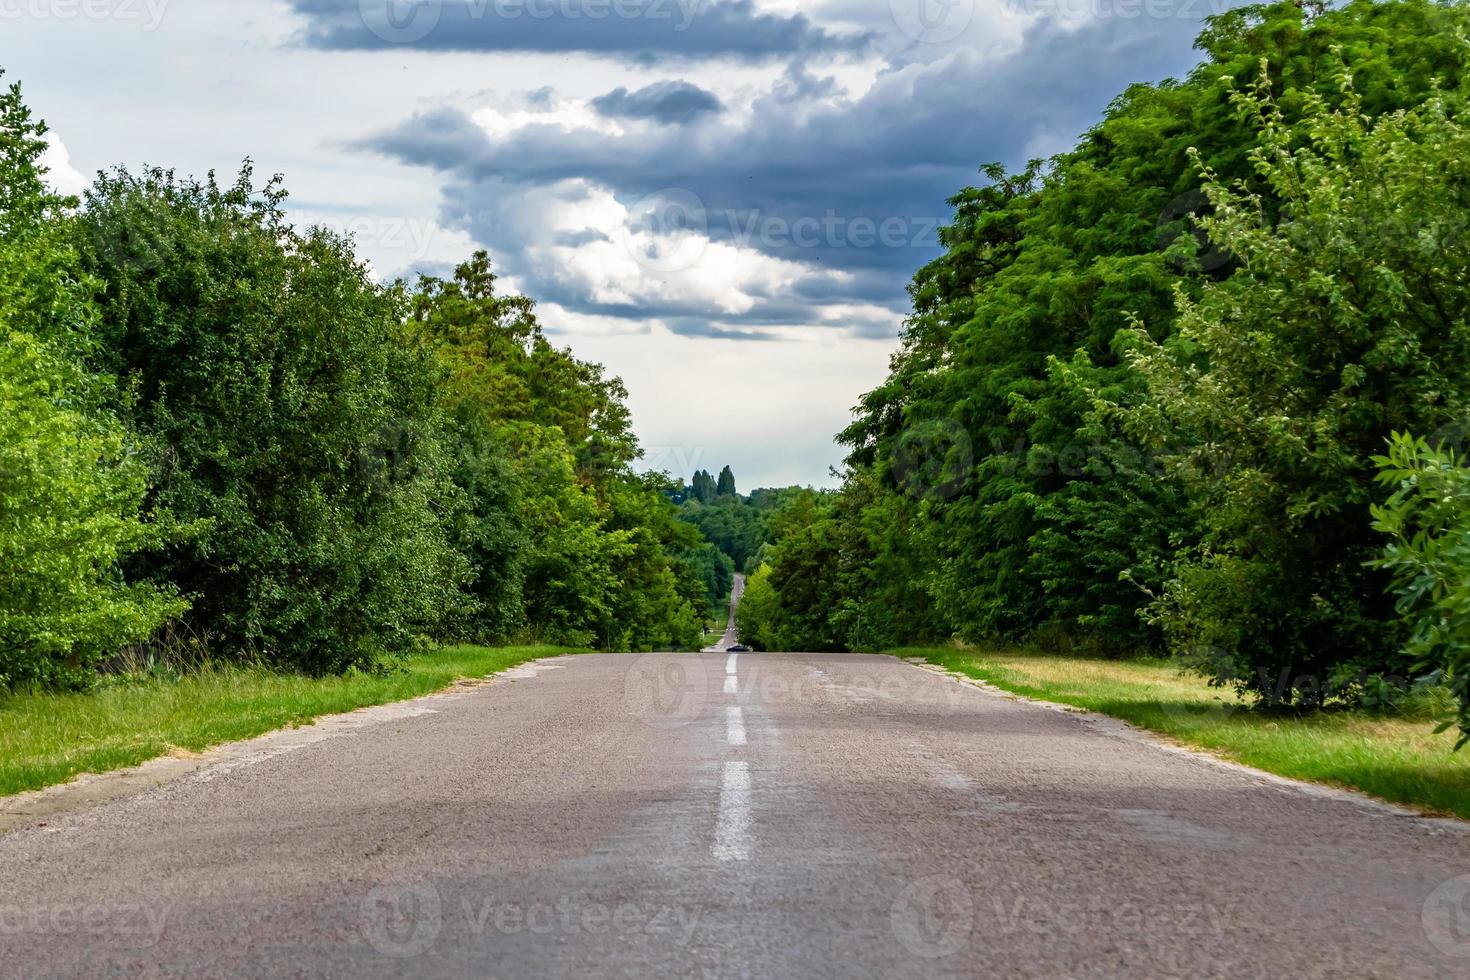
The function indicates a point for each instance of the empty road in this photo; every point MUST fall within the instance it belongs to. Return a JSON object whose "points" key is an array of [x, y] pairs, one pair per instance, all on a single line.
{"points": [[710, 815], [731, 638]]}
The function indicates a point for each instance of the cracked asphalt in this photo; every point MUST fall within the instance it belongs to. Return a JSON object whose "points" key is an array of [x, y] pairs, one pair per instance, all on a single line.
{"points": [[709, 815]]}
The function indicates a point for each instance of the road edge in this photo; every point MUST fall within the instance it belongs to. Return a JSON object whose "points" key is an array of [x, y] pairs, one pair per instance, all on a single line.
{"points": [[1114, 727], [88, 790]]}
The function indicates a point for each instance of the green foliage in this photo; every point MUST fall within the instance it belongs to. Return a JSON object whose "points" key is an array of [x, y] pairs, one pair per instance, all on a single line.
{"points": [[1428, 519], [328, 471], [702, 487], [1345, 322], [726, 485], [566, 543], [70, 492], [71, 486], [263, 375], [42, 290], [796, 584], [734, 526], [755, 616], [712, 567], [1132, 412]]}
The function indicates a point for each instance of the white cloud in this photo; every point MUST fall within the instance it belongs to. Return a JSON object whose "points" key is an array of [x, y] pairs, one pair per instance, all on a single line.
{"points": [[222, 80], [61, 175]]}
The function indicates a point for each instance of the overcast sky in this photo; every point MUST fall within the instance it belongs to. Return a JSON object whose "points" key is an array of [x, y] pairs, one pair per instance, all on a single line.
{"points": [[722, 200]]}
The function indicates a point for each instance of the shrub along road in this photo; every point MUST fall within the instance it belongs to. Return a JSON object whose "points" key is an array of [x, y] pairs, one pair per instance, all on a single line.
{"points": [[731, 816]]}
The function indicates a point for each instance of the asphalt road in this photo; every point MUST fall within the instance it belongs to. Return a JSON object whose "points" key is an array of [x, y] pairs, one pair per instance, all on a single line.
{"points": [[731, 638], [699, 815]]}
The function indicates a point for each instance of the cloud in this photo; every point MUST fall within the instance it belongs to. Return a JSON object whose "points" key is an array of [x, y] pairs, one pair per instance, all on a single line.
{"points": [[661, 102], [641, 30], [60, 174], [813, 204]]}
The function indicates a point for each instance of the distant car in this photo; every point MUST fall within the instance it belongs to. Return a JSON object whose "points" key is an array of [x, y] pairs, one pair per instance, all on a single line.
{"points": [[738, 648]]}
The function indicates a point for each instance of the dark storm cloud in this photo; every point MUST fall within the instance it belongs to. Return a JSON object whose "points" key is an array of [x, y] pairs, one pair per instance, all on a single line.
{"points": [[849, 186], [661, 102], [643, 30]]}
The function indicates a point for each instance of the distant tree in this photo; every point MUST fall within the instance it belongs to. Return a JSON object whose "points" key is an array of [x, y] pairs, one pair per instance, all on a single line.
{"points": [[567, 544], [726, 485], [702, 487], [715, 569], [755, 617]]}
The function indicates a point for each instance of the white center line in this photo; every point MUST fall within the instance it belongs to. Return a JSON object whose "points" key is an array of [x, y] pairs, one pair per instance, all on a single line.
{"points": [[730, 664], [734, 726], [732, 686], [732, 831]]}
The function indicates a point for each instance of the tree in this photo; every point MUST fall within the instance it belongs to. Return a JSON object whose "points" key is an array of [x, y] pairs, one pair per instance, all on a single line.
{"points": [[702, 487], [712, 567], [1344, 322], [278, 408], [737, 527], [755, 616], [567, 544], [71, 485], [726, 485], [980, 467]]}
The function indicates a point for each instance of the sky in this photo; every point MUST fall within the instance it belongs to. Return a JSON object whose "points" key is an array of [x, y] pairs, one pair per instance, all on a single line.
{"points": [[721, 200]]}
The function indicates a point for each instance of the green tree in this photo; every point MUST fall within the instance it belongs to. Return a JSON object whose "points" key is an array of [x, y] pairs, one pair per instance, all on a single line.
{"points": [[568, 545], [1019, 511], [715, 570], [756, 614], [738, 528], [71, 485], [263, 371], [702, 487], [1345, 322], [726, 485]]}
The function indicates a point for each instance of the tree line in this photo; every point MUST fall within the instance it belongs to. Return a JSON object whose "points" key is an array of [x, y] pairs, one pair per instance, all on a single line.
{"points": [[1198, 386], [219, 434], [740, 526]]}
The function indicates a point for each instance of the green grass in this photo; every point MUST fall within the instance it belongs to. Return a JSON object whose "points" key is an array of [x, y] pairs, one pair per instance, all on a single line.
{"points": [[50, 738], [1394, 758]]}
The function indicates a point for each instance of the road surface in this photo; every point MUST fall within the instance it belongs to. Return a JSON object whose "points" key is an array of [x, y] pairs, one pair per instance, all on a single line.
{"points": [[731, 638], [715, 815]]}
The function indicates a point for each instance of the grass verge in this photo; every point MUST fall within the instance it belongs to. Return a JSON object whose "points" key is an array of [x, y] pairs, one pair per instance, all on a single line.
{"points": [[1393, 758], [49, 738]]}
